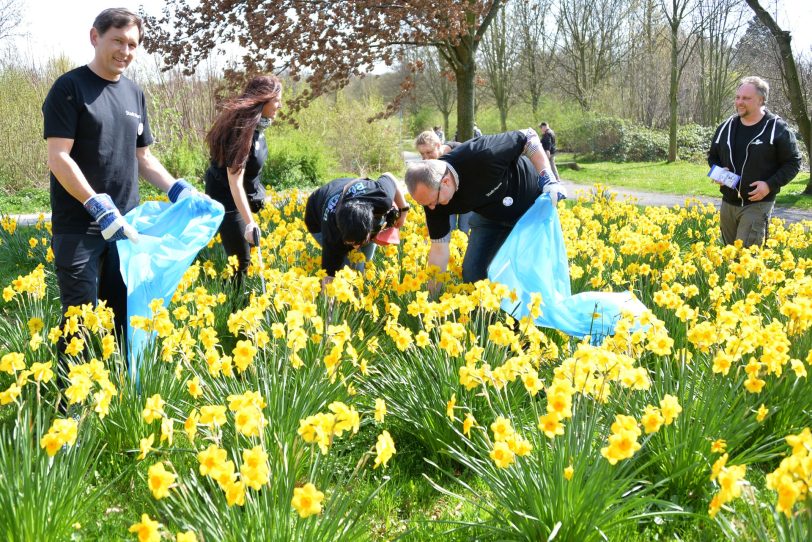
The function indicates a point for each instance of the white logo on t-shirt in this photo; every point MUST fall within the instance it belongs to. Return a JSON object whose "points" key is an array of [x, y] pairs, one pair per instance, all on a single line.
{"points": [[140, 128], [756, 142], [131, 114]]}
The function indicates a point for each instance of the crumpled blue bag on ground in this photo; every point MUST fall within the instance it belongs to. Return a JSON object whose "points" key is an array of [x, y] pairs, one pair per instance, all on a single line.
{"points": [[533, 259], [170, 236]]}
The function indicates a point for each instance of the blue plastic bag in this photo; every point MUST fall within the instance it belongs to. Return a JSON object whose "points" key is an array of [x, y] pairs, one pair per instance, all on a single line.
{"points": [[533, 259], [170, 236]]}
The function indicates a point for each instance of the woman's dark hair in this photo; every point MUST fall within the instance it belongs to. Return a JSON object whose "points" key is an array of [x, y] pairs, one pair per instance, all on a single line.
{"points": [[230, 137], [355, 221], [118, 18]]}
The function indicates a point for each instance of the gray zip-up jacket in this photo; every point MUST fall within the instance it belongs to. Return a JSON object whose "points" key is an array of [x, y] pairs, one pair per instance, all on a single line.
{"points": [[772, 156]]}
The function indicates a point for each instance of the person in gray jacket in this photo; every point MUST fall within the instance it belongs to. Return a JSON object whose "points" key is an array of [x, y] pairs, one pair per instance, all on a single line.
{"points": [[762, 151]]}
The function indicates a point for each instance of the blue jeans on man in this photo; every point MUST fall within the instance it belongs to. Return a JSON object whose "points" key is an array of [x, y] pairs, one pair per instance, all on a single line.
{"points": [[484, 241], [461, 222]]}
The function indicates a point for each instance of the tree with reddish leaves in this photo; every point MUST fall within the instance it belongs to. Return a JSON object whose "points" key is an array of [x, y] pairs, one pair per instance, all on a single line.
{"points": [[327, 42]]}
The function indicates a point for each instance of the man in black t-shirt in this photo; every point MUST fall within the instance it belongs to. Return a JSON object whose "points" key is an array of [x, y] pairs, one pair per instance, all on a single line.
{"points": [[498, 177], [98, 137], [345, 214], [759, 147]]}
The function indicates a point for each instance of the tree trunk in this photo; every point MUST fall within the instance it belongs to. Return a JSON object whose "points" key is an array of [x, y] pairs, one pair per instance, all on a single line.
{"points": [[789, 72], [465, 74], [672, 96]]}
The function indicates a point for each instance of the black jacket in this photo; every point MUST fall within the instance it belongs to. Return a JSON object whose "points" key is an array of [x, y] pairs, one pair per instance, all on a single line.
{"points": [[772, 157]]}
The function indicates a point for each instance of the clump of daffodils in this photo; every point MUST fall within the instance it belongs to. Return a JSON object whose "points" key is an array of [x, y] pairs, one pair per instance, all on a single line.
{"points": [[793, 477], [730, 480], [62, 432], [321, 428]]}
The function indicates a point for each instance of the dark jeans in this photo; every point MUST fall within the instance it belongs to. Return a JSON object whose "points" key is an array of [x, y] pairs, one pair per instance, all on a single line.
{"points": [[484, 241], [367, 250], [461, 222], [231, 234], [87, 271]]}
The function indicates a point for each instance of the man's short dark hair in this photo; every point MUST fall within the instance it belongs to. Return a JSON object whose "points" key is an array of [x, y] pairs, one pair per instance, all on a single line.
{"points": [[118, 18], [355, 221], [543, 124]]}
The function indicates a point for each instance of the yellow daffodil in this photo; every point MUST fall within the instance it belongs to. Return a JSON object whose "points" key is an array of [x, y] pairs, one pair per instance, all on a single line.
{"points": [[307, 500]]}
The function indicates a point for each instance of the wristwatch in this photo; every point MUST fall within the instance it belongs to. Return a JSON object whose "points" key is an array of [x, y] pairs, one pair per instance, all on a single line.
{"points": [[404, 209]]}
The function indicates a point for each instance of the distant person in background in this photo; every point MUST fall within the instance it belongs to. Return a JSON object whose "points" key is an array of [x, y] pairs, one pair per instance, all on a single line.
{"points": [[758, 146], [548, 143], [431, 148], [238, 151], [477, 133], [440, 134]]}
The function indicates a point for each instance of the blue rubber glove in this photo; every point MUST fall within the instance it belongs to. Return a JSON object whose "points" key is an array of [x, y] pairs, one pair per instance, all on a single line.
{"points": [[553, 186], [180, 189], [112, 224]]}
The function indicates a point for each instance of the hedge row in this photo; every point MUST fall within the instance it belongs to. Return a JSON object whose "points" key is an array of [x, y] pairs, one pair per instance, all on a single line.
{"points": [[618, 140]]}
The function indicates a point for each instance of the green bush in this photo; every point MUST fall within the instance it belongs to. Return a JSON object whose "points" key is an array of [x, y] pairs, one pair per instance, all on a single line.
{"points": [[294, 160], [425, 118], [643, 145], [356, 143], [184, 158], [693, 141], [599, 138], [617, 140], [23, 153]]}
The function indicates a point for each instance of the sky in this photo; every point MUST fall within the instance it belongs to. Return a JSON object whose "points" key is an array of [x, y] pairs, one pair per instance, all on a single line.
{"points": [[51, 27]]}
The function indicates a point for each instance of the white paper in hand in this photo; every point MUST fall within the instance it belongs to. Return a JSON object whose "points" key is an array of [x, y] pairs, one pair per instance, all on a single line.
{"points": [[725, 177]]}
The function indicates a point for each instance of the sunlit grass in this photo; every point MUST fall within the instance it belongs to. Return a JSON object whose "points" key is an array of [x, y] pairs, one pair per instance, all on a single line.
{"points": [[683, 178]]}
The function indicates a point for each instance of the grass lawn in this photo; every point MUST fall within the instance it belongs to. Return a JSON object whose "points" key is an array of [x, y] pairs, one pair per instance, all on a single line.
{"points": [[27, 201], [684, 178]]}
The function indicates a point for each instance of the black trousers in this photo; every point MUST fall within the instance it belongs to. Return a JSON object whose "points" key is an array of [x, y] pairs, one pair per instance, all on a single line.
{"points": [[87, 271], [231, 234]]}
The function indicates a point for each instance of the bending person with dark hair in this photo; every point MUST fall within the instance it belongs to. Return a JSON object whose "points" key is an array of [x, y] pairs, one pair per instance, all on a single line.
{"points": [[238, 151], [346, 214]]}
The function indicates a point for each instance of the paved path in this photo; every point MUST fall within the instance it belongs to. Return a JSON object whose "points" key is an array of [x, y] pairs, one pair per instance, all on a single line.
{"points": [[789, 214]]}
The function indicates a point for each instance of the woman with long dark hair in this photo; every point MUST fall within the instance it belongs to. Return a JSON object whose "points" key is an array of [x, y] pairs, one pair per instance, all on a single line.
{"points": [[238, 151]]}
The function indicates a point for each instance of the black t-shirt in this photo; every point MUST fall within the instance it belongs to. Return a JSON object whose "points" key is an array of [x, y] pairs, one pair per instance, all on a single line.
{"points": [[320, 213], [495, 180], [742, 136], [548, 141], [217, 176], [107, 121]]}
